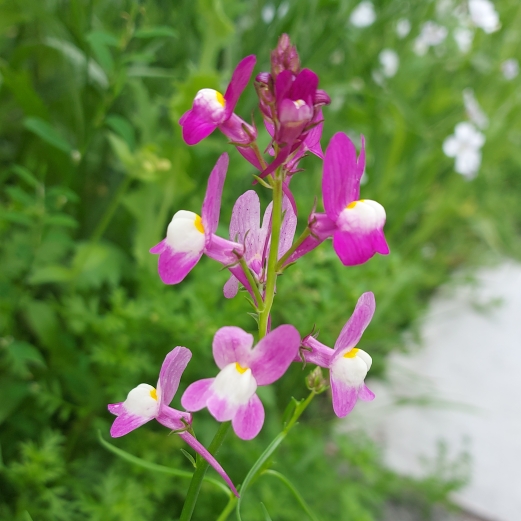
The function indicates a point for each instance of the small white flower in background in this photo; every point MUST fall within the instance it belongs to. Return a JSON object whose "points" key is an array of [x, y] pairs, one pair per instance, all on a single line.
{"points": [[483, 15], [444, 7], [283, 9], [510, 68], [363, 15], [403, 27], [268, 13], [474, 111], [390, 61], [465, 145], [431, 34], [463, 37]]}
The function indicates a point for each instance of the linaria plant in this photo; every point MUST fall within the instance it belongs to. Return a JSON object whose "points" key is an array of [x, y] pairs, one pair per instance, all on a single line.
{"points": [[256, 254]]}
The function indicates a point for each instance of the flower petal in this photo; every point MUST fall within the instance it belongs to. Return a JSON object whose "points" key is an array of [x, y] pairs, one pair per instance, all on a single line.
{"points": [[240, 78], [305, 86], [195, 127], [201, 450], [365, 394], [232, 344], [224, 251], [344, 397], [126, 422], [158, 248], [212, 199], [196, 395], [355, 248], [231, 288], [173, 419], [356, 325], [170, 375], [249, 419], [288, 227], [245, 223], [317, 353], [272, 356], [342, 174], [174, 266]]}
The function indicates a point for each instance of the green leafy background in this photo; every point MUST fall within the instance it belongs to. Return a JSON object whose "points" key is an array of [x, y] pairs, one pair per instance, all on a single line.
{"points": [[92, 167]]}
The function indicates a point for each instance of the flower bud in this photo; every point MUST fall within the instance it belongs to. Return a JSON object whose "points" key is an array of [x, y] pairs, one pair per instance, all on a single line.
{"points": [[284, 57], [315, 381]]}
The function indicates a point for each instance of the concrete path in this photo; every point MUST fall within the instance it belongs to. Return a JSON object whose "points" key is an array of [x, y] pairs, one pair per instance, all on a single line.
{"points": [[462, 389]]}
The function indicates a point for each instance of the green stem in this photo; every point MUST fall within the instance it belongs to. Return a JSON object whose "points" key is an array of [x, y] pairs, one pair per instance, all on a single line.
{"points": [[253, 283], [257, 467], [271, 276], [304, 235], [258, 155], [200, 471]]}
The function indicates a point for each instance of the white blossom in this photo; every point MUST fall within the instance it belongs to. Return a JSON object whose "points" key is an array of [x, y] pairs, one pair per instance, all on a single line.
{"points": [[474, 111], [268, 13], [363, 15], [390, 61], [431, 34], [484, 16], [465, 145], [463, 37], [283, 9], [403, 27], [510, 68]]}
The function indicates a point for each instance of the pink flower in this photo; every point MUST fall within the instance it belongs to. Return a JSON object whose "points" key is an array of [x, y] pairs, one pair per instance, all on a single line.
{"points": [[145, 403], [212, 110], [245, 228], [231, 395], [355, 224], [190, 235], [347, 364]]}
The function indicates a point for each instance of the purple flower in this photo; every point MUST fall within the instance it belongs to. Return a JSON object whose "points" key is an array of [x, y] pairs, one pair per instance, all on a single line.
{"points": [[189, 236], [348, 365], [245, 228], [212, 110], [231, 394], [356, 225], [145, 403]]}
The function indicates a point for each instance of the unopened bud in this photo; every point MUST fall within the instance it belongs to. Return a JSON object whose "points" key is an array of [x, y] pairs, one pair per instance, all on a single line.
{"points": [[315, 381], [284, 57]]}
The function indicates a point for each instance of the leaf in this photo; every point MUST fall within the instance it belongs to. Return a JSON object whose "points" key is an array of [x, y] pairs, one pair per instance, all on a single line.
{"points": [[123, 128], [61, 219], [25, 175], [155, 32], [47, 133], [265, 511], [99, 42], [189, 457], [50, 275], [122, 151], [20, 355], [16, 391]]}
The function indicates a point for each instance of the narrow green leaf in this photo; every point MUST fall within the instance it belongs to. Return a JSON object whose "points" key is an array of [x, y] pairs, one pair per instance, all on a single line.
{"points": [[189, 457], [123, 128], [265, 511], [47, 133], [155, 32], [49, 275], [25, 175]]}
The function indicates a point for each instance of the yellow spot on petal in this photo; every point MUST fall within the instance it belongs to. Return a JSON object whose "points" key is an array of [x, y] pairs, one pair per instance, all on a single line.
{"points": [[352, 353], [199, 223], [220, 98], [350, 206], [153, 393], [299, 103], [239, 368]]}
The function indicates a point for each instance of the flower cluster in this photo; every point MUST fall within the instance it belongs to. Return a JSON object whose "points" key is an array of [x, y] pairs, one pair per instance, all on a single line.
{"points": [[256, 253]]}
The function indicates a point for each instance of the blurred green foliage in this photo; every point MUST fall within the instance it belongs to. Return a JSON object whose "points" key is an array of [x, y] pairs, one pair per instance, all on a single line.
{"points": [[92, 166]]}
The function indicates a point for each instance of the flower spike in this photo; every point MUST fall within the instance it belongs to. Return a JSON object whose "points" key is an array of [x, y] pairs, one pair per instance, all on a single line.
{"points": [[189, 235], [145, 403]]}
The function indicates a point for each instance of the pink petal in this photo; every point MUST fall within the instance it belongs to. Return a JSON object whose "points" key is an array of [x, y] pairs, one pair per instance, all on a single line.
{"points": [[200, 449], [238, 131], [174, 266], [196, 395], [231, 288], [319, 354], [245, 223], [341, 178], [249, 419], [305, 86], [159, 248], [221, 408], [272, 356], [116, 408], [344, 397], [224, 251], [172, 419], [356, 248], [212, 199], [126, 423], [232, 344], [289, 196], [250, 156], [170, 375], [365, 394], [196, 127], [283, 85], [240, 78], [288, 227], [356, 325]]}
